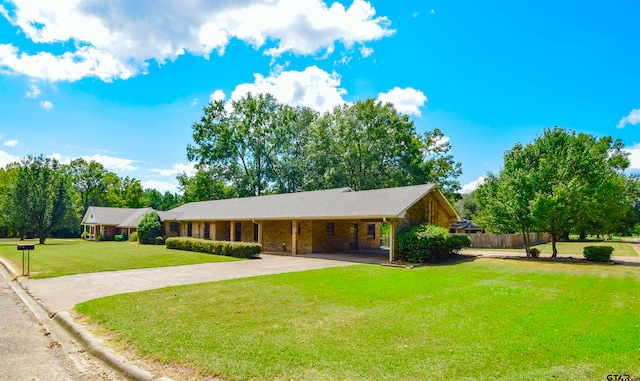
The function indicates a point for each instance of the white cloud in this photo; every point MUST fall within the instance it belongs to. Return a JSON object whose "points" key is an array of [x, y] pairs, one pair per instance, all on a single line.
{"points": [[116, 39], [112, 163], [633, 118], [34, 92], [6, 158], [160, 186], [366, 51], [407, 100], [59, 158], [11, 143], [176, 169], [70, 66], [217, 95], [194, 102], [46, 105], [634, 157], [473, 185], [313, 87]]}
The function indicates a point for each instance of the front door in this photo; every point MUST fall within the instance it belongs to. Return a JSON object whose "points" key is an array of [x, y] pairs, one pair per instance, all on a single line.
{"points": [[353, 237]]}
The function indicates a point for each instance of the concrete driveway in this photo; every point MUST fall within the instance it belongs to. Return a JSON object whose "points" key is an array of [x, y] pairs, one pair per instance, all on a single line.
{"points": [[62, 293]]}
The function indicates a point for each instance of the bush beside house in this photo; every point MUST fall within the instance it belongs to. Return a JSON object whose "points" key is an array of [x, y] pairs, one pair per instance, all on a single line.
{"points": [[230, 249], [427, 243], [149, 228]]}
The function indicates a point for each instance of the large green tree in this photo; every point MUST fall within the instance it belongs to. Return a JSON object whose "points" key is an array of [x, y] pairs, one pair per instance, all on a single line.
{"points": [[259, 146], [39, 195], [369, 144], [561, 182], [241, 141], [88, 182], [204, 185]]}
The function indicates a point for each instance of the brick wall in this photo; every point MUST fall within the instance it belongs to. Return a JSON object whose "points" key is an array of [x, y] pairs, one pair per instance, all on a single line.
{"points": [[323, 243], [365, 243], [428, 209], [274, 234]]}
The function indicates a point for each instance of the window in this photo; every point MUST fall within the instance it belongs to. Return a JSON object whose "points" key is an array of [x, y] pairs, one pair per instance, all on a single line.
{"points": [[255, 232], [189, 229], [238, 231], [174, 227], [329, 228], [207, 230], [371, 231]]}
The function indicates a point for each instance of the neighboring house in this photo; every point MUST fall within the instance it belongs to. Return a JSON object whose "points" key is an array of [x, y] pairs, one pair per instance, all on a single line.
{"points": [[101, 221], [333, 220], [465, 227]]}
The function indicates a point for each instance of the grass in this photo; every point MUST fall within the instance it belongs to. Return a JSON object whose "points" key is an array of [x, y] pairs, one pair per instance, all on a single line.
{"points": [[482, 320], [621, 249], [59, 257]]}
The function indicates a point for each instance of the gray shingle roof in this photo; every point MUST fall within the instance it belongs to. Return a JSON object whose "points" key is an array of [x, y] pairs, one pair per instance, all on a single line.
{"points": [[331, 203], [121, 217]]}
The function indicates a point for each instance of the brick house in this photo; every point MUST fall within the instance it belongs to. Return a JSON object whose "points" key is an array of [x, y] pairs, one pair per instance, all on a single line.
{"points": [[101, 221], [333, 220], [323, 221]]}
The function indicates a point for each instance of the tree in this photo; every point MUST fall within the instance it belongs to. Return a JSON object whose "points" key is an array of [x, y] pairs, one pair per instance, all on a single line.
{"points": [[370, 145], [149, 228], [124, 193], [562, 181], [241, 142], [205, 185], [39, 195], [88, 181], [467, 206]]}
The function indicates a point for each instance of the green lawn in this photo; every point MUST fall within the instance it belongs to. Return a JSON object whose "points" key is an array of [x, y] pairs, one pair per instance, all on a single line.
{"points": [[621, 249], [482, 320], [75, 256]]}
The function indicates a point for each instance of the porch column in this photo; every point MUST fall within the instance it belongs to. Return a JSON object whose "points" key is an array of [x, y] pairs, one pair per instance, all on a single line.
{"points": [[294, 237], [392, 241], [232, 229]]}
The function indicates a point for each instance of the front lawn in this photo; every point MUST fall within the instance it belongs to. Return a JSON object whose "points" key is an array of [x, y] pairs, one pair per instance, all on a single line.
{"points": [[75, 256], [482, 320], [620, 249]]}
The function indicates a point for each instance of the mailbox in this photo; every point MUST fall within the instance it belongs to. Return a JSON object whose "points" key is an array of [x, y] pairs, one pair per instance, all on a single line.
{"points": [[26, 247]]}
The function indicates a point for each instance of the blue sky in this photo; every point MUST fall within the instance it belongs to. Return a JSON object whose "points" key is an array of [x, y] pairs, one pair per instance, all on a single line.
{"points": [[121, 82]]}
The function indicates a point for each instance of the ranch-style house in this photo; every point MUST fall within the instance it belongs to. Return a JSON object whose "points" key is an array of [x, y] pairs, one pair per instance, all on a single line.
{"points": [[324, 221]]}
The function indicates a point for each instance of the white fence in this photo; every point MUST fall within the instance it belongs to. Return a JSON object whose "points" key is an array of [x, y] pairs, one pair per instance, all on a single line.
{"points": [[511, 241]]}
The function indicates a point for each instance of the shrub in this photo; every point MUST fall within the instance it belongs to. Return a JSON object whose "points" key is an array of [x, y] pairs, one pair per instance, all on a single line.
{"points": [[231, 249], [455, 243], [106, 238], [422, 243], [133, 237], [535, 253], [160, 240], [598, 253], [149, 228]]}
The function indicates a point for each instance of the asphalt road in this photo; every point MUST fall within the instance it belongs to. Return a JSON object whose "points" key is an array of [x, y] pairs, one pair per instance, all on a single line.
{"points": [[34, 349]]}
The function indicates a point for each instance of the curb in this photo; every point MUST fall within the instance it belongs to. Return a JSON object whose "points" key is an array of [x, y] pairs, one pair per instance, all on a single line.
{"points": [[88, 341], [103, 353]]}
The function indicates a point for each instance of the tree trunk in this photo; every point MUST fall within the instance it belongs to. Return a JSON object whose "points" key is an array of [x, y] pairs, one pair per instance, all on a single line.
{"points": [[583, 235], [42, 237], [553, 246], [525, 238]]}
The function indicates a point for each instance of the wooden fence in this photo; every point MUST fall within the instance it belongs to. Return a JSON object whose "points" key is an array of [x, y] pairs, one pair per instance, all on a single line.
{"points": [[510, 241]]}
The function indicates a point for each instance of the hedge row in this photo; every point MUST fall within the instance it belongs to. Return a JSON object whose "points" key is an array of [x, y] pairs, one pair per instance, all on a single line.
{"points": [[598, 253], [230, 249]]}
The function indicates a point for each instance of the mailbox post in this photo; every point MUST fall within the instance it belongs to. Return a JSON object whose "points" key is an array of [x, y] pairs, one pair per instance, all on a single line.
{"points": [[28, 248]]}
